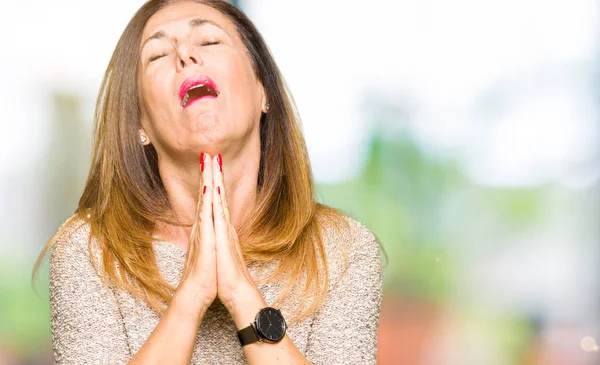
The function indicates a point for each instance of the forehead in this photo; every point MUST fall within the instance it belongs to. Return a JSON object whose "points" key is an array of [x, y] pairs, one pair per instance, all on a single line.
{"points": [[177, 16]]}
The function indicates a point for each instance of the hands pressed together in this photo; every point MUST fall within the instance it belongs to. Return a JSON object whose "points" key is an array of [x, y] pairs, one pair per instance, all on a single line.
{"points": [[215, 265]]}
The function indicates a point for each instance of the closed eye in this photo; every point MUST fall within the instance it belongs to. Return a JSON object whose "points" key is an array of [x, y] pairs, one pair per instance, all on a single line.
{"points": [[209, 43], [155, 57]]}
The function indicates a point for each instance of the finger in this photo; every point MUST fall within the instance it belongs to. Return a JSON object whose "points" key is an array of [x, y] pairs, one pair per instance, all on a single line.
{"points": [[205, 215], [220, 219], [202, 235], [195, 238], [200, 202], [219, 181], [200, 194]]}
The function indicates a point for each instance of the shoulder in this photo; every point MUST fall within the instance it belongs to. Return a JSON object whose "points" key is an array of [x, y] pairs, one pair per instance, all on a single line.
{"points": [[363, 238], [345, 233], [71, 244], [362, 243], [72, 233], [350, 245]]}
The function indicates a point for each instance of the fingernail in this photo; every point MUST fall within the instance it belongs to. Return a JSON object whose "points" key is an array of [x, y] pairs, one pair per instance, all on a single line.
{"points": [[220, 161], [219, 190], [204, 190], [202, 161]]}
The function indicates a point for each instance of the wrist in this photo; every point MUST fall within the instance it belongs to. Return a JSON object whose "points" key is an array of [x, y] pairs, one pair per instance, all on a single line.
{"points": [[244, 307], [190, 303]]}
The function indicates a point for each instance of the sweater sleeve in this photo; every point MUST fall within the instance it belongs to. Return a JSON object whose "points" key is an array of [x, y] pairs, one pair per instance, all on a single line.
{"points": [[345, 329], [86, 325]]}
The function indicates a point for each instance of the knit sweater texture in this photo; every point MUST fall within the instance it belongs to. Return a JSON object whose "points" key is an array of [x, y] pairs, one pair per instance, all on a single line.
{"points": [[93, 324]]}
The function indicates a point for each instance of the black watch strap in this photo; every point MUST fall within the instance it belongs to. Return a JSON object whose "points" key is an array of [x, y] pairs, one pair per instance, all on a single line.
{"points": [[248, 335]]}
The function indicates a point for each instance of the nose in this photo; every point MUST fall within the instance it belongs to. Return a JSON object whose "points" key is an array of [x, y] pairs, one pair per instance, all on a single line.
{"points": [[187, 56]]}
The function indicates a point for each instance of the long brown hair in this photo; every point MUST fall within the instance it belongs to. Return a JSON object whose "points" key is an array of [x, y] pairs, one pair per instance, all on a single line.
{"points": [[124, 197]]}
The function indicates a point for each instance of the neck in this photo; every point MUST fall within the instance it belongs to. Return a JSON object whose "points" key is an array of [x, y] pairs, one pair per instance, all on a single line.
{"points": [[183, 185]]}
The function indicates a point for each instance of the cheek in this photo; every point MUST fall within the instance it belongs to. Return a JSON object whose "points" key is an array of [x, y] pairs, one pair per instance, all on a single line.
{"points": [[157, 95], [152, 87], [240, 77]]}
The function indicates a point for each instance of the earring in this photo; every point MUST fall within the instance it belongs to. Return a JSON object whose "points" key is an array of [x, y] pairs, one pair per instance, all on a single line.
{"points": [[267, 107], [143, 139]]}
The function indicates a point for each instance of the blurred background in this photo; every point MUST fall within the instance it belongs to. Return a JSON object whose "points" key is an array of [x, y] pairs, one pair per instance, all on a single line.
{"points": [[463, 133]]}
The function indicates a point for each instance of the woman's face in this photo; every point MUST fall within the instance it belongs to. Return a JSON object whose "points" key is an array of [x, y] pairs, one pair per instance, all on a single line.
{"points": [[184, 46]]}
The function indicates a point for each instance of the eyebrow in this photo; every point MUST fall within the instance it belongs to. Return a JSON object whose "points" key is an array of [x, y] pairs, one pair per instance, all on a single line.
{"points": [[194, 23]]}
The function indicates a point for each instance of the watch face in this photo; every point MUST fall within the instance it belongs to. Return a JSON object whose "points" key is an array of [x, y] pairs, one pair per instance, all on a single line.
{"points": [[270, 324]]}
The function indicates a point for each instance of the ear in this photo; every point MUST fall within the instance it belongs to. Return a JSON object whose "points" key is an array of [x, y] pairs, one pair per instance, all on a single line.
{"points": [[264, 101], [144, 139]]}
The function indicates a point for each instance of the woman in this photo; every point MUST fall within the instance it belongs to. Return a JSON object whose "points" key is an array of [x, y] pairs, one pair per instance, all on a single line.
{"points": [[226, 260]]}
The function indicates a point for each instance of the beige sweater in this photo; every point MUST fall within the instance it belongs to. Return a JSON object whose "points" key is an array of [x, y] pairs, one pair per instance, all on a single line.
{"points": [[89, 328]]}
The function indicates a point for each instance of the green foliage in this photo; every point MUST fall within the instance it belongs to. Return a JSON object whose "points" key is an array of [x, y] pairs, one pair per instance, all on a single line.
{"points": [[24, 315], [425, 210]]}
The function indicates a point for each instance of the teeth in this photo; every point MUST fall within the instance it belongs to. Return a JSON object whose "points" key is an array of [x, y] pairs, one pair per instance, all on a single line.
{"points": [[196, 86], [186, 98]]}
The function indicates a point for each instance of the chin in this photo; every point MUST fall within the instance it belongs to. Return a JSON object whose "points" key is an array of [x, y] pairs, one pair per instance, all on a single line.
{"points": [[205, 122], [205, 142]]}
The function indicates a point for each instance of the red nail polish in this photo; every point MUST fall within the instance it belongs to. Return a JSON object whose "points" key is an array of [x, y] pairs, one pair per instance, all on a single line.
{"points": [[204, 190], [220, 161], [219, 190], [202, 161]]}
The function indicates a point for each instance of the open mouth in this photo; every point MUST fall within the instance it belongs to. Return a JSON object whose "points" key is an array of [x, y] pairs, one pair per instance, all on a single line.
{"points": [[196, 89]]}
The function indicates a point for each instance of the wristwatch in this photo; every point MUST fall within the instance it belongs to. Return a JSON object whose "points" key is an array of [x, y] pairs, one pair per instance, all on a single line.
{"points": [[268, 326]]}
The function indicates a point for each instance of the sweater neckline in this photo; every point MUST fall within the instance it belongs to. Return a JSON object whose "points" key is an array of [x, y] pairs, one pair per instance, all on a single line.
{"points": [[169, 245]]}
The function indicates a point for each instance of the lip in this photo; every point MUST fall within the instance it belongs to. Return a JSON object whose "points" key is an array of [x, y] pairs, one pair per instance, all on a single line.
{"points": [[196, 80]]}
